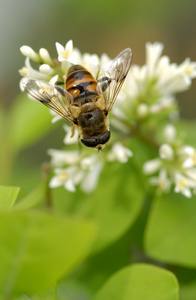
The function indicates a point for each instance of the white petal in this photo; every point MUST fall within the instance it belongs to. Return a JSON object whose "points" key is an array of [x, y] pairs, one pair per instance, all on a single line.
{"points": [[120, 153], [69, 185], [69, 139], [188, 163], [90, 181], [153, 53], [191, 173], [69, 45], [151, 166], [53, 80], [166, 152], [186, 192], [54, 182], [59, 48], [88, 162], [60, 157]]}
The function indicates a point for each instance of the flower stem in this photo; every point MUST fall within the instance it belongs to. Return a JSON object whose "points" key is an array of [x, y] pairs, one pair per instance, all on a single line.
{"points": [[135, 130]]}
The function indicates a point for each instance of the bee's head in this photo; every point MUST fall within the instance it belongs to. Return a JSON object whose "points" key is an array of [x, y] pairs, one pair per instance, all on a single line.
{"points": [[97, 141]]}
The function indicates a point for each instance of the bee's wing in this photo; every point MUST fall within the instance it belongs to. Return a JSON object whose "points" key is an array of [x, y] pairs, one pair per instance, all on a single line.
{"points": [[113, 78], [47, 94]]}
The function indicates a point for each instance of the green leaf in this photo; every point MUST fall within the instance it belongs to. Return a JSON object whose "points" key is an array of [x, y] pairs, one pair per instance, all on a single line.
{"points": [[103, 264], [139, 282], [49, 295], [30, 121], [8, 195], [115, 204], [37, 249], [170, 234], [33, 198], [188, 291]]}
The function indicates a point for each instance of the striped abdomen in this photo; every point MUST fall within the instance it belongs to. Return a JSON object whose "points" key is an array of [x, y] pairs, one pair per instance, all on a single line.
{"points": [[80, 83]]}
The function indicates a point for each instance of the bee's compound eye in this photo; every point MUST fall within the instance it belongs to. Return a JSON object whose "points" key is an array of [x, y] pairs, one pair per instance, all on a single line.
{"points": [[94, 141], [90, 142], [104, 138]]}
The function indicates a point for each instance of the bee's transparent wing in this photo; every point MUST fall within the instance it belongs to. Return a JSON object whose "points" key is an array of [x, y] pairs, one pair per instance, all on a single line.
{"points": [[47, 94], [113, 78]]}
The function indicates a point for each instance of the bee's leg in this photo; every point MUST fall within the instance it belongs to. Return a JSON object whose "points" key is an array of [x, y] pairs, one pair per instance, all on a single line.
{"points": [[60, 90], [72, 131], [59, 83], [104, 83]]}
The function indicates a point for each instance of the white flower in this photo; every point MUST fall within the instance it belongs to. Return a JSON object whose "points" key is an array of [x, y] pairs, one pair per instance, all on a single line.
{"points": [[60, 157], [151, 166], [189, 156], [56, 117], [183, 185], [93, 168], [120, 153], [68, 177], [165, 102], [171, 77], [191, 173], [84, 171], [159, 79], [166, 152], [64, 53], [69, 139], [188, 68], [29, 52], [29, 72], [162, 181], [153, 53]]}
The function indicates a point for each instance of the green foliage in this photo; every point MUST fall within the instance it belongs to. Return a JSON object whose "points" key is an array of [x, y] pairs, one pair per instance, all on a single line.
{"points": [[113, 204], [8, 197], [138, 282], [170, 231], [38, 248], [34, 122], [66, 246]]}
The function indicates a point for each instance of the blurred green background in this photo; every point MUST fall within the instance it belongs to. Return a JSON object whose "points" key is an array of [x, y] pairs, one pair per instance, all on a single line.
{"points": [[96, 27]]}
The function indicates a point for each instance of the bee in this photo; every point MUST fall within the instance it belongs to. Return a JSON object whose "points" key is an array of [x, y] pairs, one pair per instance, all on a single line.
{"points": [[84, 101]]}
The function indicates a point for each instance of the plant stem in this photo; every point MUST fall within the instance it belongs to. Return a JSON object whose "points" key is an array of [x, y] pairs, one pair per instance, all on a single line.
{"points": [[45, 174], [136, 131]]}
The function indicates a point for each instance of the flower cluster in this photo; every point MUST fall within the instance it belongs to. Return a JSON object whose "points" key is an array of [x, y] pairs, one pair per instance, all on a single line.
{"points": [[147, 97], [176, 165]]}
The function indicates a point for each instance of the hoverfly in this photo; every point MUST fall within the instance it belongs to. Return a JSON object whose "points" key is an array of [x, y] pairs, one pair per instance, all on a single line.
{"points": [[85, 102]]}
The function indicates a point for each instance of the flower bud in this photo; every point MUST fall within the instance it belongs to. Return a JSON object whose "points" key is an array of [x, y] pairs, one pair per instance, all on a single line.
{"points": [[44, 54], [166, 152], [29, 52], [46, 69], [120, 153], [142, 110], [169, 133], [151, 166]]}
